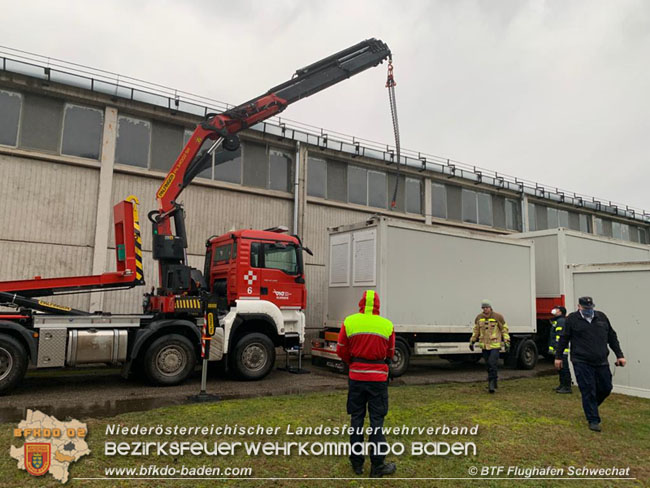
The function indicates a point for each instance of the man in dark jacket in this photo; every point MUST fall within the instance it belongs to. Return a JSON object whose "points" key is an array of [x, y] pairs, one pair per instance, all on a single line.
{"points": [[366, 343], [557, 328], [589, 333]]}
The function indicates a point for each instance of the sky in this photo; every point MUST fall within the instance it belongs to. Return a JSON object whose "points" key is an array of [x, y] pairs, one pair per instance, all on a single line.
{"points": [[549, 91]]}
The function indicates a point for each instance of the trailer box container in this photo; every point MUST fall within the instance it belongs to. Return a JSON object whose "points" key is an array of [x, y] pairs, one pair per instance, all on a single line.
{"points": [[557, 248], [620, 290], [430, 280]]}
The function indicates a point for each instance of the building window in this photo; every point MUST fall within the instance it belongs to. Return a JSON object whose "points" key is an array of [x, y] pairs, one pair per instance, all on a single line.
{"points": [[357, 185], [513, 215], [552, 218], [477, 207], [10, 104], [621, 231], [377, 191], [563, 218], [279, 170], [40, 123], [133, 141], [469, 209], [227, 166], [643, 235], [585, 223], [166, 145], [532, 217], [265, 167], [604, 227], [82, 131], [439, 200], [316, 177], [485, 215], [414, 195]]}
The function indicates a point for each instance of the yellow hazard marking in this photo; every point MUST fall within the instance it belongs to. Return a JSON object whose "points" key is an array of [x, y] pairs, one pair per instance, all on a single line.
{"points": [[54, 305], [211, 324]]}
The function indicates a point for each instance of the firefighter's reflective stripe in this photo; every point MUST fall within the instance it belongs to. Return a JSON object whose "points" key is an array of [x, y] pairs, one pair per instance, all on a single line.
{"points": [[558, 331], [368, 371], [488, 334]]}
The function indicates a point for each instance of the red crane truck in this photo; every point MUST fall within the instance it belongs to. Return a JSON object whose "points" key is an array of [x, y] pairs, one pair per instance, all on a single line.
{"points": [[250, 296]]}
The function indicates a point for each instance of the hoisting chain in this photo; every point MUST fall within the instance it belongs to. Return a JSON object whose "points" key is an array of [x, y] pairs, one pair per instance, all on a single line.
{"points": [[390, 84]]}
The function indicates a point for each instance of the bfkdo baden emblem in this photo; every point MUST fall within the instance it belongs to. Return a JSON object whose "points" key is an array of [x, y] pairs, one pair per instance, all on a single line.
{"points": [[37, 458]]}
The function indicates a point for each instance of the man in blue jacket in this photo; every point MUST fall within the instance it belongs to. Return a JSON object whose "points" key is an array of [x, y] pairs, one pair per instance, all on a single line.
{"points": [[589, 333]]}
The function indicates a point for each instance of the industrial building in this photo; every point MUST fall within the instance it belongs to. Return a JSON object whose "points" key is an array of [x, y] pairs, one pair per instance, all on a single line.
{"points": [[74, 141]]}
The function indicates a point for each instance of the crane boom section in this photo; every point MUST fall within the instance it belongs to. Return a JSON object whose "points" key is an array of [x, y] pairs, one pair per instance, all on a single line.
{"points": [[305, 82]]}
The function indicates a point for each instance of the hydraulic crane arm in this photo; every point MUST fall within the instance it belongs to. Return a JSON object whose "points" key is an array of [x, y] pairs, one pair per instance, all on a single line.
{"points": [[169, 248], [221, 128]]}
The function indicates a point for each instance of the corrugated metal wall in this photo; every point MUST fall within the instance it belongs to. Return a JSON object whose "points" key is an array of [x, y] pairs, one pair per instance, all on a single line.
{"points": [[47, 221], [318, 218]]}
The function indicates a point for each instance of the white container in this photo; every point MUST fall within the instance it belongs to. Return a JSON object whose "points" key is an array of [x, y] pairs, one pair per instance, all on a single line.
{"points": [[557, 248], [620, 291], [430, 279]]}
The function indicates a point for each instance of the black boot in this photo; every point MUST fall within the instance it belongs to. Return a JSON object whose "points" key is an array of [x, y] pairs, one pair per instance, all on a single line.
{"points": [[492, 384], [377, 471]]}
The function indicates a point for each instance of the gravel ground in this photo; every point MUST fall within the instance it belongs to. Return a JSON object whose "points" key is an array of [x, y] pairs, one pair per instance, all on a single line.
{"points": [[100, 392]]}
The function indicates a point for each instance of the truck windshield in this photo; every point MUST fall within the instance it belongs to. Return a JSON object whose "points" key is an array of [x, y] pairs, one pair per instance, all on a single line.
{"points": [[275, 256]]}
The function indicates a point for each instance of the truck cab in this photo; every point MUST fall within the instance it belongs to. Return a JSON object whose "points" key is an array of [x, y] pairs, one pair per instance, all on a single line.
{"points": [[253, 264], [258, 281]]}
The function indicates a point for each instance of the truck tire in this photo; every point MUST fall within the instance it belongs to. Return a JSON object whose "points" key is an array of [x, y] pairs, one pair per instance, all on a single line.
{"points": [[527, 354], [169, 360], [13, 363], [254, 357], [400, 362]]}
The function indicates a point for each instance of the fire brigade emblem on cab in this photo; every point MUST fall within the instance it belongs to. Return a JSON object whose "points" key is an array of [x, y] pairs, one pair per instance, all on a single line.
{"points": [[37, 458], [250, 277]]}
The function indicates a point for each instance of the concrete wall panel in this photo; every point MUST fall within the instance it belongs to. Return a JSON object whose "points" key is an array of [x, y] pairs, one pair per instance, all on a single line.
{"points": [[47, 202], [21, 261]]}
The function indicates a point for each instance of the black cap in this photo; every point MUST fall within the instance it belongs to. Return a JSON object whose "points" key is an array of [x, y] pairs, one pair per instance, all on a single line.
{"points": [[586, 302]]}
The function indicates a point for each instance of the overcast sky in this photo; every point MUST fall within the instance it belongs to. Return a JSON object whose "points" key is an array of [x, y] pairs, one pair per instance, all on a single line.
{"points": [[549, 91]]}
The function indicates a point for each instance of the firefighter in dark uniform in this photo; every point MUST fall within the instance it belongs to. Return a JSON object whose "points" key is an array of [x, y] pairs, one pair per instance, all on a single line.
{"points": [[557, 328], [366, 343], [589, 333]]}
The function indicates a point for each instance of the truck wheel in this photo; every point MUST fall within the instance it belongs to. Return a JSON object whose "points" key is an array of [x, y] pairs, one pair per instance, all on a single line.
{"points": [[169, 360], [527, 354], [400, 362], [13, 363], [254, 357]]}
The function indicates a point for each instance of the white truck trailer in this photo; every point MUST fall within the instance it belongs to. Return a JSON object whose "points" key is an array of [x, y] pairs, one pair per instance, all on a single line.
{"points": [[555, 249], [430, 280]]}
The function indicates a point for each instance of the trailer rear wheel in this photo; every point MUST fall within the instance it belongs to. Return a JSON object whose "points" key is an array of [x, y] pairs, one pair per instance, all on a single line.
{"points": [[169, 360], [400, 361], [13, 363], [254, 357], [527, 354]]}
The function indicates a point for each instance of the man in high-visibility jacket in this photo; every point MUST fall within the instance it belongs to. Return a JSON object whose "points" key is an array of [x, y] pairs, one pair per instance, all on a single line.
{"points": [[557, 329], [366, 344], [491, 332]]}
